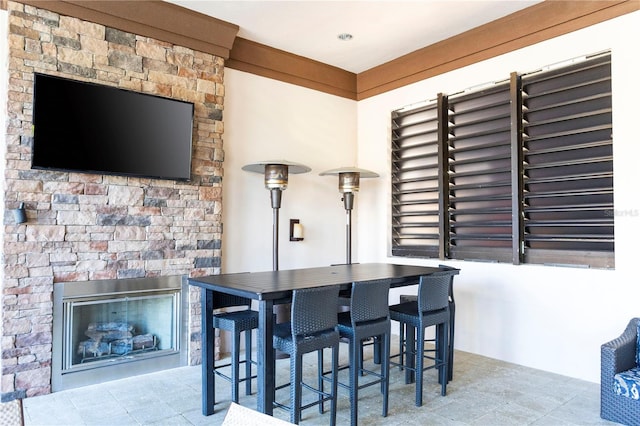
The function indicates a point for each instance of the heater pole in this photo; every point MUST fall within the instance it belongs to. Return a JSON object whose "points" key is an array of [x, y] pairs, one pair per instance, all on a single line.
{"points": [[276, 201], [348, 237], [348, 206]]}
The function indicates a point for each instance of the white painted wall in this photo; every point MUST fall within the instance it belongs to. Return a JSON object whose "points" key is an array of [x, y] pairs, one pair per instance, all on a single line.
{"points": [[550, 318], [266, 119]]}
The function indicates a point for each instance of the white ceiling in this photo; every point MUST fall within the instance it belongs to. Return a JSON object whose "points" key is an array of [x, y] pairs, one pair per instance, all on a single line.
{"points": [[382, 30]]}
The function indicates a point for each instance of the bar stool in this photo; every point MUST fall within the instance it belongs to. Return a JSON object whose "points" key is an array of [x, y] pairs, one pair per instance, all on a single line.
{"points": [[313, 327], [430, 309], [367, 318], [235, 322], [452, 326]]}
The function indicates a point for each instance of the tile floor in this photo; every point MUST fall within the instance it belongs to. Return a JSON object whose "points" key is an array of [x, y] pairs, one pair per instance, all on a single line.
{"points": [[484, 392]]}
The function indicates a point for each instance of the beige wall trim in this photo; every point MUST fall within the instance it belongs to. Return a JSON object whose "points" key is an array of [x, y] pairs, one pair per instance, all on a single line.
{"points": [[156, 19]]}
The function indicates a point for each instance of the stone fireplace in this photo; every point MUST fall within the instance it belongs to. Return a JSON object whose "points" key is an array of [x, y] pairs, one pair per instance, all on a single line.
{"points": [[109, 329], [85, 227]]}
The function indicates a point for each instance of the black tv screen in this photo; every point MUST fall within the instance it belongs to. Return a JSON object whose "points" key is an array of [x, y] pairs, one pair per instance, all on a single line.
{"points": [[91, 128]]}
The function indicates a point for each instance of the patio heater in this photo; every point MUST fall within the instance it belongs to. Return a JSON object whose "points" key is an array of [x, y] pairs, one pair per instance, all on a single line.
{"points": [[276, 178], [348, 185]]}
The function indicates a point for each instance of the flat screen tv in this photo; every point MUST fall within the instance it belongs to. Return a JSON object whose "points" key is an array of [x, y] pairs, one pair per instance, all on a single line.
{"points": [[92, 128]]}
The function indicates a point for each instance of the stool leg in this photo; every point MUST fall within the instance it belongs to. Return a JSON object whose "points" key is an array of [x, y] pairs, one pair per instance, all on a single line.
{"points": [[235, 365], [376, 349], [419, 362], [247, 360], [296, 388], [320, 380], [334, 384], [444, 371], [361, 365], [401, 345], [355, 370], [439, 352], [386, 353], [452, 325], [410, 354]]}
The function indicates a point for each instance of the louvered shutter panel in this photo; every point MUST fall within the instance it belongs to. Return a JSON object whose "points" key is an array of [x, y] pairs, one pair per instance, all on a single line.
{"points": [[568, 164], [521, 171], [415, 184], [480, 174]]}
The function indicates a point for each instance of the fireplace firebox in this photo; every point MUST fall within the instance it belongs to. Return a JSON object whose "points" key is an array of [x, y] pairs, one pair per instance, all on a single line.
{"points": [[110, 329]]}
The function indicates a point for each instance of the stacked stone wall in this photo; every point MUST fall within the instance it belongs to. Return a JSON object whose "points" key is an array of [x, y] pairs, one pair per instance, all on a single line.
{"points": [[85, 226]]}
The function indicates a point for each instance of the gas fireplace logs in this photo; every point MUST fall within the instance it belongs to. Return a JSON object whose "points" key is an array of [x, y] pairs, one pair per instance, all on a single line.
{"points": [[113, 338]]}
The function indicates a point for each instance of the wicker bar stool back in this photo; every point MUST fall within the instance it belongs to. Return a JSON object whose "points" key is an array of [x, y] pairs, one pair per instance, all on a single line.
{"points": [[313, 327], [236, 322], [367, 318], [431, 309], [452, 324]]}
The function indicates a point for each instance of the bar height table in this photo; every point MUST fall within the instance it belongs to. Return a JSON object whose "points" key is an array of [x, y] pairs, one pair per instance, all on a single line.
{"points": [[272, 287]]}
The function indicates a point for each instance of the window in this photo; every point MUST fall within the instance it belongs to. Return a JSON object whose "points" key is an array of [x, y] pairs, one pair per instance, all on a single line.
{"points": [[520, 172]]}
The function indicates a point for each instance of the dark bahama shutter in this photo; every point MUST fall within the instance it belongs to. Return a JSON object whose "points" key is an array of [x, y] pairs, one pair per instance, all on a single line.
{"points": [[415, 184], [480, 174], [568, 164], [521, 171]]}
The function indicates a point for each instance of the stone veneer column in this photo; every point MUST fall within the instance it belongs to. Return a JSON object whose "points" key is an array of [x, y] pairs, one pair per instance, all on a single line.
{"points": [[83, 226]]}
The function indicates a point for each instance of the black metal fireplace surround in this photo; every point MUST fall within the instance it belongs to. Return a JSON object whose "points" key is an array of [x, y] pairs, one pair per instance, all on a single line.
{"points": [[111, 329]]}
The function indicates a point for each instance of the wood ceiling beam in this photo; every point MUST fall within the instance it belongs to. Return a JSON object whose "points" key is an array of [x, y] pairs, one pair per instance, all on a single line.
{"points": [[178, 25], [534, 24], [151, 18], [268, 62]]}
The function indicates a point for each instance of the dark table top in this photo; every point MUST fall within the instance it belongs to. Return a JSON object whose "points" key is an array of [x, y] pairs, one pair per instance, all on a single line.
{"points": [[278, 284]]}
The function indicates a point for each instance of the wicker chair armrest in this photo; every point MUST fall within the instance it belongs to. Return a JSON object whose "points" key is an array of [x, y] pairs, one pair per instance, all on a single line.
{"points": [[620, 353]]}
